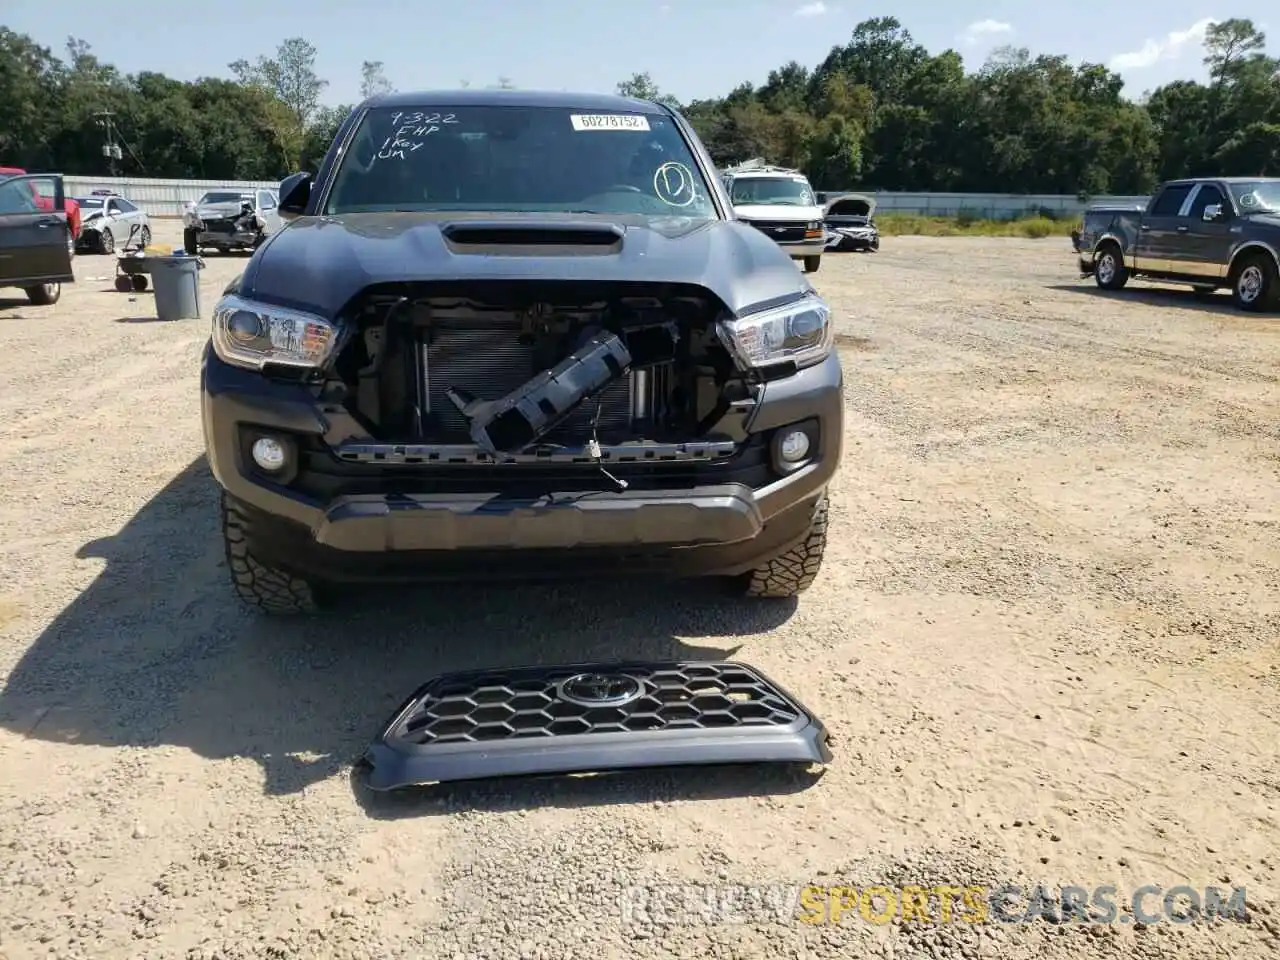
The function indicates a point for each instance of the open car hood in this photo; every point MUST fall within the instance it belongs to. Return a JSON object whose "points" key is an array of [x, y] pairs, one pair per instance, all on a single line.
{"points": [[851, 205]]}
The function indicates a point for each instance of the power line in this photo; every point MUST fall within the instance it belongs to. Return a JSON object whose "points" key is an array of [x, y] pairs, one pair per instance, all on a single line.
{"points": [[110, 149]]}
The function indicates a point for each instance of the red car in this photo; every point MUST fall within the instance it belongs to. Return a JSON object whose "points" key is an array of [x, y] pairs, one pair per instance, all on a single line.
{"points": [[46, 203]]}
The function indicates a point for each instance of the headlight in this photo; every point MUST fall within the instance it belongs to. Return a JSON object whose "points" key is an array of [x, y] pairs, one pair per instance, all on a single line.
{"points": [[798, 332], [253, 335], [815, 225]]}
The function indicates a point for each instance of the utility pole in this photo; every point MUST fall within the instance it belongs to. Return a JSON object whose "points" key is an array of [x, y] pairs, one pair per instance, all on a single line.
{"points": [[110, 149]]}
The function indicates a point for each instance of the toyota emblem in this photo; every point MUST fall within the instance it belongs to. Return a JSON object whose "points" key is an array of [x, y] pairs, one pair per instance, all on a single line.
{"points": [[600, 690]]}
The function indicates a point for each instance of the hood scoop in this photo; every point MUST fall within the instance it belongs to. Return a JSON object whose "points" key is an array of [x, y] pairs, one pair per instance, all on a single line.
{"points": [[540, 238]]}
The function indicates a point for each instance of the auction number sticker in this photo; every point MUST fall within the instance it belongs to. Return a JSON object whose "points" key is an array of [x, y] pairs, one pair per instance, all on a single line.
{"points": [[609, 121]]}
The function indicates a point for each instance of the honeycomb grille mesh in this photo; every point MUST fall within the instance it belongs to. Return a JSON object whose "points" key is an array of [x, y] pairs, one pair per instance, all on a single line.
{"points": [[530, 702]]}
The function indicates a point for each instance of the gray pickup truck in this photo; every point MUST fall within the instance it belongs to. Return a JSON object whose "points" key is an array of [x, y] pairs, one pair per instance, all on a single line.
{"points": [[1210, 233]]}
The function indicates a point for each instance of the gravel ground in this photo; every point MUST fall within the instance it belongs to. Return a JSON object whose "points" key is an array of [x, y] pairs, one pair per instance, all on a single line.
{"points": [[1044, 639]]}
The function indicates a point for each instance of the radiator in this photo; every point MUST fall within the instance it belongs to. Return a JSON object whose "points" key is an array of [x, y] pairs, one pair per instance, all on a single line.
{"points": [[489, 362]]}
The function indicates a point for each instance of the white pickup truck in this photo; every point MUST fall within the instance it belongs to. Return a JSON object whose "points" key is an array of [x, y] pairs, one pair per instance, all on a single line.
{"points": [[229, 220]]}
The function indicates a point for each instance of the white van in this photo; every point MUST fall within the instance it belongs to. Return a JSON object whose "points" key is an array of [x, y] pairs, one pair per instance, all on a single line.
{"points": [[780, 203]]}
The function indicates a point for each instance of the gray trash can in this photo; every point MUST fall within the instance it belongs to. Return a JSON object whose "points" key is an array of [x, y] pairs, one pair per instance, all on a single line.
{"points": [[177, 285]]}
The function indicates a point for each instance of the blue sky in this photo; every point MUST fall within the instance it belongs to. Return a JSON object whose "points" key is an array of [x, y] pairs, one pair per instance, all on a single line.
{"points": [[692, 48]]}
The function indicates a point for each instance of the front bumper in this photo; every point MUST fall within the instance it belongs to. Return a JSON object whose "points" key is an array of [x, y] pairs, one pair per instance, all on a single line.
{"points": [[340, 520], [853, 240], [800, 249], [214, 238]]}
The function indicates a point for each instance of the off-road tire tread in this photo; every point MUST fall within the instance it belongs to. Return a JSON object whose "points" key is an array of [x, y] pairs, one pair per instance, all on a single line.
{"points": [[793, 572], [265, 588]]}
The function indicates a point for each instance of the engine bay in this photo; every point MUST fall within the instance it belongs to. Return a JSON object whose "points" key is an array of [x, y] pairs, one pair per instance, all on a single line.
{"points": [[528, 367]]}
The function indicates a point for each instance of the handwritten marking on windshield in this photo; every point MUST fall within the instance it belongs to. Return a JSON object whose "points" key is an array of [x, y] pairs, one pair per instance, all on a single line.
{"points": [[608, 121], [674, 184], [399, 145], [423, 118]]}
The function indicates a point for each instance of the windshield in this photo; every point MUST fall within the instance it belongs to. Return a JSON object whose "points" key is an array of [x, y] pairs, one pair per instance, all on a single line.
{"points": [[1257, 196], [781, 190], [520, 159], [222, 198], [90, 203]]}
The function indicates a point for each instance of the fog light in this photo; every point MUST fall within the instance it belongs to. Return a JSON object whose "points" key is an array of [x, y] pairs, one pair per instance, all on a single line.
{"points": [[270, 454], [793, 448]]}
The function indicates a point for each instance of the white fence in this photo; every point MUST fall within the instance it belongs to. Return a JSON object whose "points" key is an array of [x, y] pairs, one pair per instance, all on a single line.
{"points": [[164, 198], [160, 198], [986, 206]]}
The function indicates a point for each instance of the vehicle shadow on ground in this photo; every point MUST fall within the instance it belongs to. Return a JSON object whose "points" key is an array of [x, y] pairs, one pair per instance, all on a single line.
{"points": [[499, 795], [1158, 297], [156, 651]]}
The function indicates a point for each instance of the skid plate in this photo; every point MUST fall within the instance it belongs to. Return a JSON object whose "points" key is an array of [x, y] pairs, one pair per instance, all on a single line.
{"points": [[591, 717]]}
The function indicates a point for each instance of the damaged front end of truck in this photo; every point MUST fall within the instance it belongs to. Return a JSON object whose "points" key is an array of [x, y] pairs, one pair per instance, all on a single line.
{"points": [[540, 372], [454, 359]]}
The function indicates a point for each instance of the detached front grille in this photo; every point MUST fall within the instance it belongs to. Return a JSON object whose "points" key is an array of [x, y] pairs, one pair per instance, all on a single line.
{"points": [[537, 702], [592, 717]]}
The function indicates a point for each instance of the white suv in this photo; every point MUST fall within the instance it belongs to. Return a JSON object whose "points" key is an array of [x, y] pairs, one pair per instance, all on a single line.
{"points": [[781, 204]]}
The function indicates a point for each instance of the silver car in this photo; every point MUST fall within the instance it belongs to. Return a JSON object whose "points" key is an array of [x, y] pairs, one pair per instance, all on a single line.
{"points": [[110, 222]]}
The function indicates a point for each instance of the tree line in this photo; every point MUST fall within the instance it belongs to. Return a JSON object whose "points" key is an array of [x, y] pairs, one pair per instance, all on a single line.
{"points": [[880, 111]]}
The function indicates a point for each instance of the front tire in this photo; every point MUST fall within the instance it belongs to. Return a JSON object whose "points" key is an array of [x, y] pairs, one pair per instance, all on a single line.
{"points": [[1109, 271], [1255, 285], [811, 264], [191, 241], [267, 589], [106, 242], [44, 294], [792, 573]]}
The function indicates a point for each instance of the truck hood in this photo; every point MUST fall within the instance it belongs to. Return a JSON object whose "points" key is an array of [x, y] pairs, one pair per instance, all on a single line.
{"points": [[776, 211], [1271, 221], [216, 211], [319, 264]]}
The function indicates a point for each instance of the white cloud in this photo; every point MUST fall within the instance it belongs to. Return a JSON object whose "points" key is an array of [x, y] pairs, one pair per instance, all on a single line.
{"points": [[986, 30], [1170, 48], [815, 9], [665, 8]]}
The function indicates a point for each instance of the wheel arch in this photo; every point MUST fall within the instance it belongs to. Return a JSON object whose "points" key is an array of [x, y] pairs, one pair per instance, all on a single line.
{"points": [[1105, 239], [1252, 246]]}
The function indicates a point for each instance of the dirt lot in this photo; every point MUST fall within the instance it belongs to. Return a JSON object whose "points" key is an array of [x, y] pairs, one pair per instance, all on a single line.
{"points": [[1045, 639]]}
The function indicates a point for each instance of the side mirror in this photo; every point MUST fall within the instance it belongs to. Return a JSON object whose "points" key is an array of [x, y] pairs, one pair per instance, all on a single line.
{"points": [[295, 192], [1212, 212]]}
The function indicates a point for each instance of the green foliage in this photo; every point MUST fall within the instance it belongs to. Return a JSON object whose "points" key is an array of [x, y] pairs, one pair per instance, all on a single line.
{"points": [[879, 112], [1020, 124]]}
